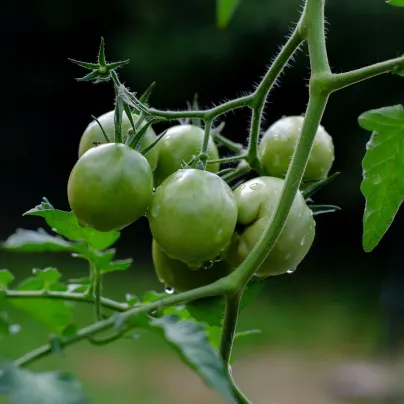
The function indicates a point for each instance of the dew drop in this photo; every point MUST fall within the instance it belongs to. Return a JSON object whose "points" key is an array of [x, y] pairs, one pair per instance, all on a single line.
{"points": [[303, 240], [14, 329], [208, 264], [169, 290], [255, 187], [377, 179], [290, 271]]}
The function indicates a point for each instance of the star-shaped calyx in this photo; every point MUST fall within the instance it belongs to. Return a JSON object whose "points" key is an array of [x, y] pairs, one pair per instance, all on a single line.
{"points": [[101, 70]]}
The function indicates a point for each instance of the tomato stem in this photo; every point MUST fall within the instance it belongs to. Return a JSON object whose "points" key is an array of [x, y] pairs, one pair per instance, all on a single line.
{"points": [[230, 159], [229, 325]]}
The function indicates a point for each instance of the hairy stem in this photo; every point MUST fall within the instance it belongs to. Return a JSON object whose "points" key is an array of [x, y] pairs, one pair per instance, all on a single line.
{"points": [[230, 159], [203, 156], [218, 288], [67, 296], [229, 325], [252, 155], [338, 81], [235, 147]]}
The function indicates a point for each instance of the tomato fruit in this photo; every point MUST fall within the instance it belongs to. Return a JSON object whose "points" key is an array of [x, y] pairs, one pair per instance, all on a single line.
{"points": [[256, 202], [181, 143], [93, 134], [278, 143], [110, 187], [192, 216], [177, 275]]}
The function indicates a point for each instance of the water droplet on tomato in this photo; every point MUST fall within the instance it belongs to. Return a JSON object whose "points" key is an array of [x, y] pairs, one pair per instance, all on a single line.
{"points": [[255, 187], [169, 290], [302, 241], [290, 271], [208, 264]]}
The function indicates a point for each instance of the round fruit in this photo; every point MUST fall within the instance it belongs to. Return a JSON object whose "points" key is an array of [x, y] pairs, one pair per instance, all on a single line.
{"points": [[93, 134], [180, 144], [110, 187], [278, 143], [256, 202], [192, 216], [177, 275]]}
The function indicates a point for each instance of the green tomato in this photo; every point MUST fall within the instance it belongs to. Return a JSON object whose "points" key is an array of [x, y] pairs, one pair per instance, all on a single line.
{"points": [[192, 216], [93, 134], [256, 202], [110, 187], [180, 144], [278, 143], [177, 275]]}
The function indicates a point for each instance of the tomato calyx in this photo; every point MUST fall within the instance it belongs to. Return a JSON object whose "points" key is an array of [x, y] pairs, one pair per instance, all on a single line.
{"points": [[100, 71]]}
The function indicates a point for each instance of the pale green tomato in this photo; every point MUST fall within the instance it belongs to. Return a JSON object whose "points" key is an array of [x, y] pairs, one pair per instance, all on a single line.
{"points": [[192, 216], [278, 143], [177, 275], [256, 202], [180, 144], [110, 187], [93, 134]]}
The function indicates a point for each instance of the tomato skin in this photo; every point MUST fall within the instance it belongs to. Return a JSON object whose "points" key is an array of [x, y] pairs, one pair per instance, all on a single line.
{"points": [[177, 275], [278, 143], [192, 216], [179, 144], [93, 134], [110, 187], [256, 202]]}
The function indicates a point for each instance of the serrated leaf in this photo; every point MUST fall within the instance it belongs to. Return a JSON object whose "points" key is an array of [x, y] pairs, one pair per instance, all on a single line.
{"points": [[397, 3], [118, 265], [224, 11], [6, 277], [56, 314], [383, 171], [25, 387], [66, 224], [190, 340], [48, 275], [39, 241]]}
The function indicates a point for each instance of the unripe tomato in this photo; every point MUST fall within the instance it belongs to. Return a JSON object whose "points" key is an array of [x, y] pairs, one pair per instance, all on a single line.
{"points": [[256, 202], [181, 143], [93, 134], [110, 187], [177, 275], [192, 216], [279, 141]]}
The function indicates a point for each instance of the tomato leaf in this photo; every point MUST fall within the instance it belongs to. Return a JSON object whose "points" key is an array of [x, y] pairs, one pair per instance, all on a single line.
{"points": [[39, 241], [25, 387], [191, 341], [66, 224], [383, 171], [224, 11], [6, 277], [6, 327], [397, 3], [56, 314]]}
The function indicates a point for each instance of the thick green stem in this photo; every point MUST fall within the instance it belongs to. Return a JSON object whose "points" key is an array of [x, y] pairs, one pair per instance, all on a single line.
{"points": [[218, 288], [229, 325], [67, 296], [337, 81], [313, 23]]}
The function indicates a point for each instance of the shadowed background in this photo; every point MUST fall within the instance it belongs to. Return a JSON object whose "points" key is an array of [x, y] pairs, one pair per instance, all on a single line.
{"points": [[331, 304]]}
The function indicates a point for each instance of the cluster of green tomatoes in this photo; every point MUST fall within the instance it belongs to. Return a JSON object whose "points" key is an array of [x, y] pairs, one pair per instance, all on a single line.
{"points": [[202, 229]]}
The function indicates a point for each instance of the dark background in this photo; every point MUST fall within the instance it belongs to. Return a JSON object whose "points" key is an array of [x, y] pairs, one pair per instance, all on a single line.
{"points": [[331, 302], [177, 44]]}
